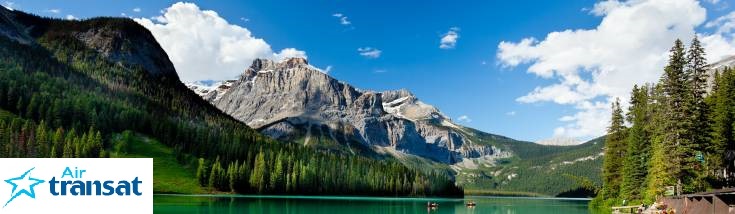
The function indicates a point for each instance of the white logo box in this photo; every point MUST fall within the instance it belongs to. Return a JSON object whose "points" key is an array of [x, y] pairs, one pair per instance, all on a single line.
{"points": [[95, 169]]}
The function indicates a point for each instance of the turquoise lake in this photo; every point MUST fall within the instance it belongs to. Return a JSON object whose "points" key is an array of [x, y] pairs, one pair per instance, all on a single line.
{"points": [[334, 205]]}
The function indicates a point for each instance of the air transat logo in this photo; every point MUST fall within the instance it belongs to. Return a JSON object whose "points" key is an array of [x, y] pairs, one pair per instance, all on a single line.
{"points": [[26, 184], [48, 185]]}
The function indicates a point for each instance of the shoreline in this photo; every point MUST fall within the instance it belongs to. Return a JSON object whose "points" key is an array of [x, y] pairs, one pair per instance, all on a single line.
{"points": [[336, 197]]}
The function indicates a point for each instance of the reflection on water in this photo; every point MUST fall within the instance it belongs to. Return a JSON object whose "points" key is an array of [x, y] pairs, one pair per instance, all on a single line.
{"points": [[308, 205]]}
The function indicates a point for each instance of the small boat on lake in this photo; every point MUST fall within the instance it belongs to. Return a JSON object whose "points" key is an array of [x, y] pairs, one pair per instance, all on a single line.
{"points": [[470, 204], [432, 205]]}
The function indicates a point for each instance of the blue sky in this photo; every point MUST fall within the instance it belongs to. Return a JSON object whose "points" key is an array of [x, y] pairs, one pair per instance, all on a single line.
{"points": [[470, 79]]}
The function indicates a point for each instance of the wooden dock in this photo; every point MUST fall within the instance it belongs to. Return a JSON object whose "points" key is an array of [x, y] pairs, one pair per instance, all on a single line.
{"points": [[625, 209]]}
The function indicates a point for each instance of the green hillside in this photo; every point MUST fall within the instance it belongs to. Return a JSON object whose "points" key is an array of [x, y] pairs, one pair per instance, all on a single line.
{"points": [[170, 175], [70, 87], [537, 169]]}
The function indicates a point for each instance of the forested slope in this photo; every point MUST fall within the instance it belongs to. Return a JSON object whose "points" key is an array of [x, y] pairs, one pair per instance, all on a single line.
{"points": [[68, 87]]}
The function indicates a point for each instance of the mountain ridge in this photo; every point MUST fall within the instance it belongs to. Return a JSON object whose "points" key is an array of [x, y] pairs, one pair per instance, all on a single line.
{"points": [[294, 102], [284, 98]]}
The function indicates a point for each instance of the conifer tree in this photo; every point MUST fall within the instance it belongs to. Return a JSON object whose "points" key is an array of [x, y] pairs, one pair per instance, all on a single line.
{"points": [[615, 146], [723, 120], [700, 127], [276, 177], [678, 139], [57, 143], [213, 174], [658, 175], [637, 154], [3, 140], [42, 139], [201, 172], [257, 177]]}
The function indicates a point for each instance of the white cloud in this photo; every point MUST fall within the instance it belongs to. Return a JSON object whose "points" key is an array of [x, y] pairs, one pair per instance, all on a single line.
{"points": [[559, 93], [604, 7], [244, 19], [590, 120], [54, 11], [71, 17], [137, 10], [721, 43], [202, 45], [514, 54], [289, 53], [159, 19], [724, 24], [342, 19], [718, 46], [380, 71], [449, 39], [369, 52], [593, 66], [464, 119], [511, 113]]}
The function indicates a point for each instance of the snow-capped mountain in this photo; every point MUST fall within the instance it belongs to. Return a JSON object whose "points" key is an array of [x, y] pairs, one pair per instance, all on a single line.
{"points": [[210, 90]]}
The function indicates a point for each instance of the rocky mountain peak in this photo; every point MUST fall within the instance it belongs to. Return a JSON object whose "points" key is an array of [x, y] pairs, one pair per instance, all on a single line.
{"points": [[392, 95], [261, 64], [119, 40], [125, 41], [295, 61], [293, 101]]}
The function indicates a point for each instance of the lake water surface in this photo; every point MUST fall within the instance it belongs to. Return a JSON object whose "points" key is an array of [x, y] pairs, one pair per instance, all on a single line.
{"points": [[336, 205]]}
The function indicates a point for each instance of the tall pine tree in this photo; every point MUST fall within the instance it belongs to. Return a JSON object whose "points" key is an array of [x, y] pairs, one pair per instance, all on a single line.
{"points": [[635, 167], [658, 167], [258, 176], [722, 102], [678, 139], [615, 146], [700, 122]]}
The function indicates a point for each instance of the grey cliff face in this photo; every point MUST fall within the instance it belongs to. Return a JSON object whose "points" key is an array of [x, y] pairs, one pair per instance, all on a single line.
{"points": [[289, 98], [128, 46]]}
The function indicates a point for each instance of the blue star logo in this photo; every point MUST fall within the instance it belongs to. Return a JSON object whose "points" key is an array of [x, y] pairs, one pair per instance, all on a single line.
{"points": [[26, 182]]}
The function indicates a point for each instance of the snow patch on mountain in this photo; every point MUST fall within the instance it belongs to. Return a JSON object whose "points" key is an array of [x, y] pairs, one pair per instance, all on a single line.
{"points": [[210, 90], [560, 141], [591, 157]]}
